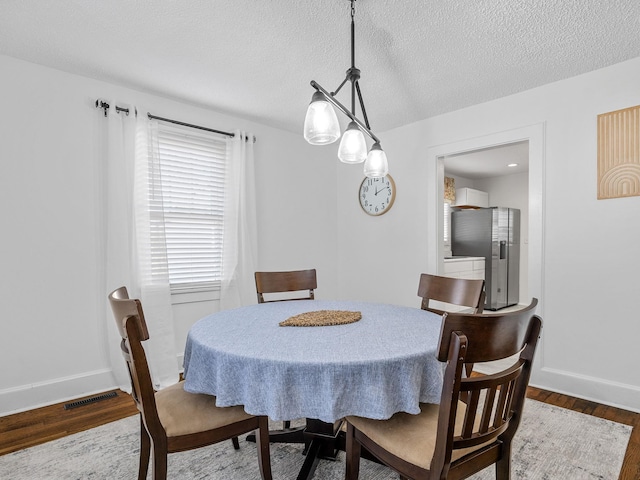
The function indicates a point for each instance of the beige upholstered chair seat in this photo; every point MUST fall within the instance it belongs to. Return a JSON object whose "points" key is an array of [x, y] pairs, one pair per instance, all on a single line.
{"points": [[412, 437], [183, 413]]}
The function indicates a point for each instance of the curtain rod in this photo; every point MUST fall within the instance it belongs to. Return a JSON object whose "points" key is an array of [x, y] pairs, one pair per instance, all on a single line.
{"points": [[177, 122], [105, 106], [207, 129]]}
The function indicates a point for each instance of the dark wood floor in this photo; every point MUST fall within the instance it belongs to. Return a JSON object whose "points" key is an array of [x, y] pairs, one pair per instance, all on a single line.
{"points": [[31, 428], [34, 427]]}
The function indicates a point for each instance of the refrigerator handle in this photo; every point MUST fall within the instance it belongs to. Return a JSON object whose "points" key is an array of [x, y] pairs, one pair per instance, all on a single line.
{"points": [[503, 249]]}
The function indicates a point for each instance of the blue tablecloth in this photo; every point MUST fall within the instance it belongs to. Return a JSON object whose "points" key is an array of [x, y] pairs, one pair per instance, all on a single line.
{"points": [[383, 364]]}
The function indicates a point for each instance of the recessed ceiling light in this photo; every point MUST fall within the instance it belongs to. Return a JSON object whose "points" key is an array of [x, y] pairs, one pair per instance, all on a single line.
{"points": [[512, 165]]}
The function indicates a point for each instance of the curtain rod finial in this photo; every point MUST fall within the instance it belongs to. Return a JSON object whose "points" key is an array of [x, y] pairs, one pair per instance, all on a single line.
{"points": [[102, 104]]}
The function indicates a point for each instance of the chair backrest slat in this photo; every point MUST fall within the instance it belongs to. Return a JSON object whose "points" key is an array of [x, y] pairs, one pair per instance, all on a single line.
{"points": [[282, 282], [487, 411], [122, 306], [470, 413], [503, 337], [456, 291]]}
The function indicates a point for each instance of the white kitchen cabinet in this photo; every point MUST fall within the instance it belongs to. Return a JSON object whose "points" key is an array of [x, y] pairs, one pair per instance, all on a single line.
{"points": [[464, 267], [469, 197], [461, 267]]}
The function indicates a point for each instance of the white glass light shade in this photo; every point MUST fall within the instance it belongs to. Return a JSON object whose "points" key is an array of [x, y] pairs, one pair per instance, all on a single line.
{"points": [[376, 165], [353, 148], [321, 125]]}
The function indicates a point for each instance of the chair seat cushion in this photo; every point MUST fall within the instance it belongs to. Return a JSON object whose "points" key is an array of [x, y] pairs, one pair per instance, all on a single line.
{"points": [[411, 437], [182, 413]]}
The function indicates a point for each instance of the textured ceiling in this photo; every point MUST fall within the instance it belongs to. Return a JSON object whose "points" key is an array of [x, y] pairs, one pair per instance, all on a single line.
{"points": [[255, 58], [489, 162]]}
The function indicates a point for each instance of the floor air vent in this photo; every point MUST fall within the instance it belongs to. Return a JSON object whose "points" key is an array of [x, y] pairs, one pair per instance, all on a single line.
{"points": [[88, 401]]}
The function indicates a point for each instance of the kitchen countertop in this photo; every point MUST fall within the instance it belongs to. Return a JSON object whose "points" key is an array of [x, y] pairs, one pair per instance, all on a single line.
{"points": [[461, 258]]}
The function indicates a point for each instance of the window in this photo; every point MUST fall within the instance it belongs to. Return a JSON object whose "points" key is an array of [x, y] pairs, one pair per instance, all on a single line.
{"points": [[447, 228], [447, 223], [449, 198], [188, 206]]}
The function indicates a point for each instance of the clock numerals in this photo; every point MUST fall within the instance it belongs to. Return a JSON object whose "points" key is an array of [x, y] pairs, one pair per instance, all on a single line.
{"points": [[377, 195]]}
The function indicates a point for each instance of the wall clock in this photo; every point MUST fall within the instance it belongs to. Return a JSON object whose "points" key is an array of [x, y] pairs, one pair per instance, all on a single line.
{"points": [[377, 195]]}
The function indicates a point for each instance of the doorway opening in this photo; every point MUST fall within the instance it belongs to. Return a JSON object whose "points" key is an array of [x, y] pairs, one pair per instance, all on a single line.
{"points": [[440, 159], [497, 176]]}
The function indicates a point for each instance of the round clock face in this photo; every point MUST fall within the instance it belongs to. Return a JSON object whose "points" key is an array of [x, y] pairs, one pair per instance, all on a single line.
{"points": [[377, 195]]}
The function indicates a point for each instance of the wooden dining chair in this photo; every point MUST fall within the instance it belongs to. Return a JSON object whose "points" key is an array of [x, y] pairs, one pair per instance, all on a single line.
{"points": [[477, 417], [456, 291], [462, 292], [173, 420], [285, 282]]}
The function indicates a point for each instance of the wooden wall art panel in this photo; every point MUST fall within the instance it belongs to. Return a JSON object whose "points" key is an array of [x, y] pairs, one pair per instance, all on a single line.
{"points": [[619, 153]]}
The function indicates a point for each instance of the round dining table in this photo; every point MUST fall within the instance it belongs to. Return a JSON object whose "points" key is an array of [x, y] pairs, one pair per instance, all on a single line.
{"points": [[377, 366], [374, 367]]}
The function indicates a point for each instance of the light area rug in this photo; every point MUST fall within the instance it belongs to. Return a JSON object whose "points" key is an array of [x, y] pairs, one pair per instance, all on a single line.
{"points": [[551, 443]]}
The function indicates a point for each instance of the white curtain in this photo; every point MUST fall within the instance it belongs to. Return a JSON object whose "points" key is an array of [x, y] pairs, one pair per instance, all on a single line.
{"points": [[118, 263], [129, 160], [240, 226], [154, 290]]}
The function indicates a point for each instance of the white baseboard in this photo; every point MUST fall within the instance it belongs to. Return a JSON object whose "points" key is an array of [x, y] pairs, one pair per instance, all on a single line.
{"points": [[35, 395], [606, 392], [28, 397]]}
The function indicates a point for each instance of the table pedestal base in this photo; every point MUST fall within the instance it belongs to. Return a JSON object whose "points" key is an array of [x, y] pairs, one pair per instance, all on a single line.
{"points": [[287, 435], [322, 441]]}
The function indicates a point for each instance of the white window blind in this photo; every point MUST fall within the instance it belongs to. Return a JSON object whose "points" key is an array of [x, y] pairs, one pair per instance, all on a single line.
{"points": [[447, 223], [189, 205]]}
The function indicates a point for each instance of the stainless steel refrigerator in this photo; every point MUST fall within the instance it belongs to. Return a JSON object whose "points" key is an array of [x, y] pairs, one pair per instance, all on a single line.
{"points": [[492, 233]]}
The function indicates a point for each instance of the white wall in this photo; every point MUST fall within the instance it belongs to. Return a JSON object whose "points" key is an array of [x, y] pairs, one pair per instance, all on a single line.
{"points": [[590, 262], [461, 182], [308, 215], [381, 258], [52, 333]]}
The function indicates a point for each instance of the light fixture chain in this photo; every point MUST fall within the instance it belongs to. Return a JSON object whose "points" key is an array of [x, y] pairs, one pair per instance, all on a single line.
{"points": [[353, 57], [353, 35]]}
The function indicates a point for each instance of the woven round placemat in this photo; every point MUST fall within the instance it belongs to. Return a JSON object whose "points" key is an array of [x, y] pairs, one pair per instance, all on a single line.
{"points": [[321, 318]]}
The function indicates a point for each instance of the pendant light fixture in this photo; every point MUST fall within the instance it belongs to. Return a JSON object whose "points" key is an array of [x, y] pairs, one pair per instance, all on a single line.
{"points": [[321, 125]]}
